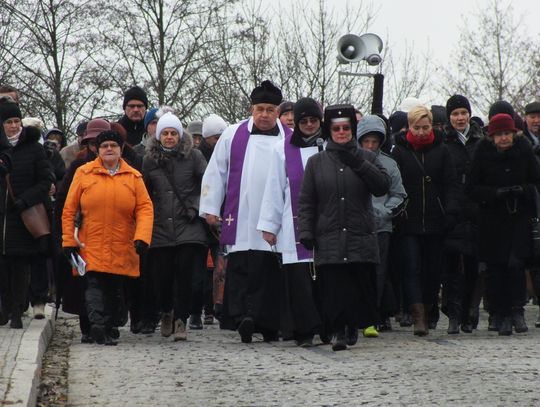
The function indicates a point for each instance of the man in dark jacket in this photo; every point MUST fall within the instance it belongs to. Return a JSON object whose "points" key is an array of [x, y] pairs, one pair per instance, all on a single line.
{"points": [[462, 137], [134, 105]]}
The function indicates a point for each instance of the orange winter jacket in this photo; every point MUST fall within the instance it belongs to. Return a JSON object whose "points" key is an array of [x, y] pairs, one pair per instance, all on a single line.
{"points": [[116, 211]]}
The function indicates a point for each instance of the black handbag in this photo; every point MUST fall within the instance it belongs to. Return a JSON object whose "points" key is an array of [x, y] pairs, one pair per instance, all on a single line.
{"points": [[535, 229]]}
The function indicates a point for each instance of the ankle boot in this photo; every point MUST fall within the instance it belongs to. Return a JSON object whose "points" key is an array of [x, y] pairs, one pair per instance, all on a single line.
{"points": [[505, 328], [518, 320], [419, 319], [493, 322], [340, 342], [537, 323], [167, 324], [453, 326], [405, 320]]}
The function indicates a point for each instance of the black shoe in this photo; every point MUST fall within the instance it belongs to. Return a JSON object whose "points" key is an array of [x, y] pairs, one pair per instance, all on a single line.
{"points": [[148, 327], [519, 321], [505, 329], [98, 333], [87, 338], [340, 342], [16, 322], [325, 338], [406, 320], [108, 341], [245, 329], [4, 318], [474, 316], [195, 322], [493, 323], [453, 326], [467, 328], [351, 335], [386, 325], [537, 323], [114, 333], [135, 327], [208, 319]]}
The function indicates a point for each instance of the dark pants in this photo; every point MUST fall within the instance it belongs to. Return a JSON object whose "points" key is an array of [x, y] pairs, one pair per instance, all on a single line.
{"points": [[202, 296], [421, 262], [506, 286], [174, 268], [141, 293], [14, 283], [103, 299], [459, 282], [386, 298], [39, 281]]}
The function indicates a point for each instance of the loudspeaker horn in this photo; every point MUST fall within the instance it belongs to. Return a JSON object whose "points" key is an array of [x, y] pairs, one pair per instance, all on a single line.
{"points": [[350, 48], [372, 47]]}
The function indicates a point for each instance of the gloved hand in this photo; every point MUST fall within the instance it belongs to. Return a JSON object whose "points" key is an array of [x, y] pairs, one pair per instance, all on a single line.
{"points": [[516, 190], [19, 205], [308, 243], [5, 165], [502, 192], [140, 247], [350, 159], [69, 250]]}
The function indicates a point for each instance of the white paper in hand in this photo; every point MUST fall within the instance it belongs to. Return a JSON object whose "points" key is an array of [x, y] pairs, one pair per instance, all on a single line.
{"points": [[78, 262]]}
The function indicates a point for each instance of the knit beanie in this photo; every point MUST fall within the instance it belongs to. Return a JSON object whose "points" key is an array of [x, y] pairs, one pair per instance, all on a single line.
{"points": [[213, 125], [135, 93], [457, 102], [306, 107], [166, 121], [501, 106], [398, 120], [149, 116], [266, 92], [9, 110], [109, 135], [285, 107], [439, 114], [501, 122], [371, 124]]}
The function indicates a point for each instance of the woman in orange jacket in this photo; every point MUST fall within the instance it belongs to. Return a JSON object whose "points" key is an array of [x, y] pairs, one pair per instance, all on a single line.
{"points": [[116, 227]]}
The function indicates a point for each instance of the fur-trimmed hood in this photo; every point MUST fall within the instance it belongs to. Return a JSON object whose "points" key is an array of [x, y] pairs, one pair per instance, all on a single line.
{"points": [[155, 151]]}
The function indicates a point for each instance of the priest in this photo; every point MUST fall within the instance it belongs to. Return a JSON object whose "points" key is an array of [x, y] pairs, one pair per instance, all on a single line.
{"points": [[231, 193]]}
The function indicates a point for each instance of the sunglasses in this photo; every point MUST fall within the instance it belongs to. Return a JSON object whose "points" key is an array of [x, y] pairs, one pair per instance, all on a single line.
{"points": [[342, 127]]}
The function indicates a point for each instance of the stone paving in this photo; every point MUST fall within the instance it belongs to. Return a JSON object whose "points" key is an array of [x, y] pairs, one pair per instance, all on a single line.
{"points": [[397, 369], [10, 342]]}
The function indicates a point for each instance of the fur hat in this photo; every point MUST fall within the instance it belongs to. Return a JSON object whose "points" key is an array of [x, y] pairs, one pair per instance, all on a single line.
{"points": [[266, 92], [166, 121], [334, 112], [371, 124], [501, 122], [213, 125], [457, 102], [135, 93]]}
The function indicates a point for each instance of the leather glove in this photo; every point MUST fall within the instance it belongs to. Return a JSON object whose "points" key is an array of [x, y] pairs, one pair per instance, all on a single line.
{"points": [[308, 243], [140, 247], [516, 190], [19, 205], [69, 250], [354, 161], [502, 192]]}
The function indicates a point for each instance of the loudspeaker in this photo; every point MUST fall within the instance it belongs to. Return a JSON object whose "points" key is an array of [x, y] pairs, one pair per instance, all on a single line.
{"points": [[372, 47], [350, 49]]}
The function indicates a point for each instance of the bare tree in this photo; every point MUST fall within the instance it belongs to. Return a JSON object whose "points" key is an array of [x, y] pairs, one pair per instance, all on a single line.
{"points": [[495, 59], [48, 56]]}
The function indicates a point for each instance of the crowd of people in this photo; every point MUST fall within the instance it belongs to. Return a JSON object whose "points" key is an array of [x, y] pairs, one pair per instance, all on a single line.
{"points": [[299, 221]]}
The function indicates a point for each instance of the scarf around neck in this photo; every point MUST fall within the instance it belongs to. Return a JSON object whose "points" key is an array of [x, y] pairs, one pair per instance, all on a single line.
{"points": [[417, 143]]}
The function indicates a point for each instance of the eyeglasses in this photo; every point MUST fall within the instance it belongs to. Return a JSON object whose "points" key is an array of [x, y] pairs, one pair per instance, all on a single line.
{"points": [[135, 106], [306, 120], [105, 146], [342, 127]]}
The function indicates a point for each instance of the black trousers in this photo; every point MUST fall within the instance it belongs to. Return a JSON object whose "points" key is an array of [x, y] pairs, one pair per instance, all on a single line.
{"points": [[421, 263], [14, 283], [202, 296], [103, 299], [459, 281], [174, 268], [141, 293], [506, 286]]}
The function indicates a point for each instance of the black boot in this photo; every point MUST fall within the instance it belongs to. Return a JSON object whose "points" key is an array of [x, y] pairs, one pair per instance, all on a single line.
{"points": [[16, 322], [453, 326], [406, 320], [493, 322], [505, 329], [537, 323], [351, 335], [340, 342], [519, 321], [386, 325], [98, 333], [245, 329]]}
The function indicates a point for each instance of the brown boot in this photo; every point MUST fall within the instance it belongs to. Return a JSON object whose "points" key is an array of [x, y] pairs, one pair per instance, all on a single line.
{"points": [[419, 318]]}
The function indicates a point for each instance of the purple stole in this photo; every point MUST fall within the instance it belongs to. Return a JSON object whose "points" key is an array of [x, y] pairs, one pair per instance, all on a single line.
{"points": [[295, 173]]}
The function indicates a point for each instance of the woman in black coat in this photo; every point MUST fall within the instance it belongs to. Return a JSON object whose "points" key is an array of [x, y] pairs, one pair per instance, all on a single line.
{"points": [[503, 178], [31, 178], [429, 178], [173, 171], [336, 221]]}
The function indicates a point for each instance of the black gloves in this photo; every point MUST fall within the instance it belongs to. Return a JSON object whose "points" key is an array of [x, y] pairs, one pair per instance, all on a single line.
{"points": [[511, 191], [68, 251], [350, 159], [140, 247], [308, 243], [5, 165]]}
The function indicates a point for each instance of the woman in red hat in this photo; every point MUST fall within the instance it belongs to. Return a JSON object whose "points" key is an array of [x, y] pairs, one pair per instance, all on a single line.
{"points": [[503, 176]]}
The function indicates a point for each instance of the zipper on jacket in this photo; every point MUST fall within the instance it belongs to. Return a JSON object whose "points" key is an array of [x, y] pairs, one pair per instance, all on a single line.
{"points": [[4, 227], [423, 197]]}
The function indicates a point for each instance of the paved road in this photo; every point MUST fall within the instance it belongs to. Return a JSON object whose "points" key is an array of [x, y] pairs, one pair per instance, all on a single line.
{"points": [[214, 369], [10, 342]]}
